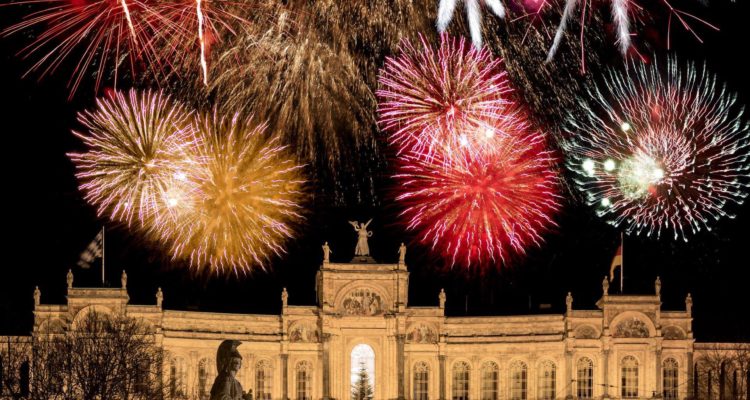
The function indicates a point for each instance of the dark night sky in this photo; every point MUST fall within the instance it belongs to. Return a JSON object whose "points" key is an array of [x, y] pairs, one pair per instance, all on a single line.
{"points": [[47, 224]]}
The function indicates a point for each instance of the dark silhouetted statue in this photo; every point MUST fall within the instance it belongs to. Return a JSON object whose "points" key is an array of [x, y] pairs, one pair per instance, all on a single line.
{"points": [[228, 363]]}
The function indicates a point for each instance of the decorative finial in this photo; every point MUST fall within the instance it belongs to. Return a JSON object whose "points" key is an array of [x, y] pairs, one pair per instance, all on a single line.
{"points": [[37, 296], [442, 297], [657, 286], [605, 286], [569, 302], [402, 254], [284, 297], [362, 249], [124, 280], [69, 278], [326, 253], [689, 304], [159, 297]]}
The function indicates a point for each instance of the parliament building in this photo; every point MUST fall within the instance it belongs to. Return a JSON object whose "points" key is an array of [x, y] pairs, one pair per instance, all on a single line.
{"points": [[626, 348]]}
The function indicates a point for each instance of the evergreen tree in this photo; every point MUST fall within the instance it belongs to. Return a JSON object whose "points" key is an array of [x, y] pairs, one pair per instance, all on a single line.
{"points": [[361, 389]]}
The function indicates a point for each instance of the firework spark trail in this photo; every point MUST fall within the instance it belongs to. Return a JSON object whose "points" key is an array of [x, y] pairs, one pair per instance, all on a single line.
{"points": [[620, 15], [657, 152], [620, 10], [246, 198], [446, 8], [478, 208], [127, 17], [202, 41], [451, 97], [136, 158]]}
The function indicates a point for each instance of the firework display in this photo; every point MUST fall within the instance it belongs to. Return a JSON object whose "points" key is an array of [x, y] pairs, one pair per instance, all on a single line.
{"points": [[622, 12], [481, 208], [123, 34], [246, 194], [452, 97], [446, 8], [661, 153], [360, 94], [136, 160]]}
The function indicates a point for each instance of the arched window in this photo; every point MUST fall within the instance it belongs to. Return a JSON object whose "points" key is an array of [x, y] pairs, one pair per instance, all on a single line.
{"points": [[263, 380], [461, 372], [304, 390], [362, 372], [585, 378], [518, 381], [203, 389], [629, 377], [670, 382], [177, 377], [490, 381], [421, 381], [546, 379]]}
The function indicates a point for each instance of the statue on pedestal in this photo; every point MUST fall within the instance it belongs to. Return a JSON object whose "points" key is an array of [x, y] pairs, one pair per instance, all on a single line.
{"points": [[228, 363], [326, 253], [362, 249]]}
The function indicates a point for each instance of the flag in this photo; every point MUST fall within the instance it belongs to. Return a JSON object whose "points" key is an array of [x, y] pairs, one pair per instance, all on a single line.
{"points": [[92, 252], [616, 262]]}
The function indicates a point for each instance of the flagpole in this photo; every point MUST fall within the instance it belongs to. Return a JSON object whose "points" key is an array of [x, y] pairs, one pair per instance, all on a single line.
{"points": [[622, 261], [103, 252]]}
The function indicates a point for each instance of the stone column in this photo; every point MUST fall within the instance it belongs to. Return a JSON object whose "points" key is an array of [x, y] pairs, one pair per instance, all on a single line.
{"points": [[441, 358], [569, 375], [690, 377], [400, 364], [659, 381], [285, 376], [605, 365], [326, 338]]}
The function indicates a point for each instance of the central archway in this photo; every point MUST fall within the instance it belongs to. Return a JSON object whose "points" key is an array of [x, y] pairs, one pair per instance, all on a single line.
{"points": [[362, 362]]}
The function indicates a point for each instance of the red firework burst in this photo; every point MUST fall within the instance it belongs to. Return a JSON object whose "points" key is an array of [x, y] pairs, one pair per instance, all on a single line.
{"points": [[477, 208], [103, 37], [452, 97]]}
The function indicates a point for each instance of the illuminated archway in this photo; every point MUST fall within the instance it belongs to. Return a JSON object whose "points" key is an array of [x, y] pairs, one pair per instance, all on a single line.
{"points": [[363, 356]]}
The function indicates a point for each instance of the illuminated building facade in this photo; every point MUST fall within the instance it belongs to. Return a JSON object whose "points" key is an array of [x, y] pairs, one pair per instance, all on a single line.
{"points": [[627, 348]]}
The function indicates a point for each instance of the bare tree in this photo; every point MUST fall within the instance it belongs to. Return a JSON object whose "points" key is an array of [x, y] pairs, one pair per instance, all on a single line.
{"points": [[100, 356], [15, 352], [723, 371]]}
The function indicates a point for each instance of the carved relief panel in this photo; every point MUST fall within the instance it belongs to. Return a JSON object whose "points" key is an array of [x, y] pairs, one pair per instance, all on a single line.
{"points": [[631, 328], [362, 301], [421, 333]]}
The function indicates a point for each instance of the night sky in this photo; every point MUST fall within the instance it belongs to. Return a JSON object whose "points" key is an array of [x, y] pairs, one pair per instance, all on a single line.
{"points": [[47, 225]]}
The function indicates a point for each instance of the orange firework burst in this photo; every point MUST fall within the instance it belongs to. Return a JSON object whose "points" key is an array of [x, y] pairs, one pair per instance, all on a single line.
{"points": [[245, 197], [136, 158]]}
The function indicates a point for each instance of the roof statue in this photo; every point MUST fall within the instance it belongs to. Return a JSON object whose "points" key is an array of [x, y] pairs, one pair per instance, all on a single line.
{"points": [[362, 249], [159, 297], [326, 253], [402, 254]]}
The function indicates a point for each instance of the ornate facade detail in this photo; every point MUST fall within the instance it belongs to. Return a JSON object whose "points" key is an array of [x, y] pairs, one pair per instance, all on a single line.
{"points": [[631, 328], [362, 301], [673, 333], [304, 333], [422, 334], [586, 332]]}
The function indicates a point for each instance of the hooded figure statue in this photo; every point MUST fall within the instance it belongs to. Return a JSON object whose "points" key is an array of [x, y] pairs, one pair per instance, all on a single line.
{"points": [[228, 363]]}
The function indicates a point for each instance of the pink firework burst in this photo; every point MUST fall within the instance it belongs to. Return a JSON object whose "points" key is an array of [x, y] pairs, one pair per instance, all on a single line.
{"points": [[478, 208], [455, 96]]}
